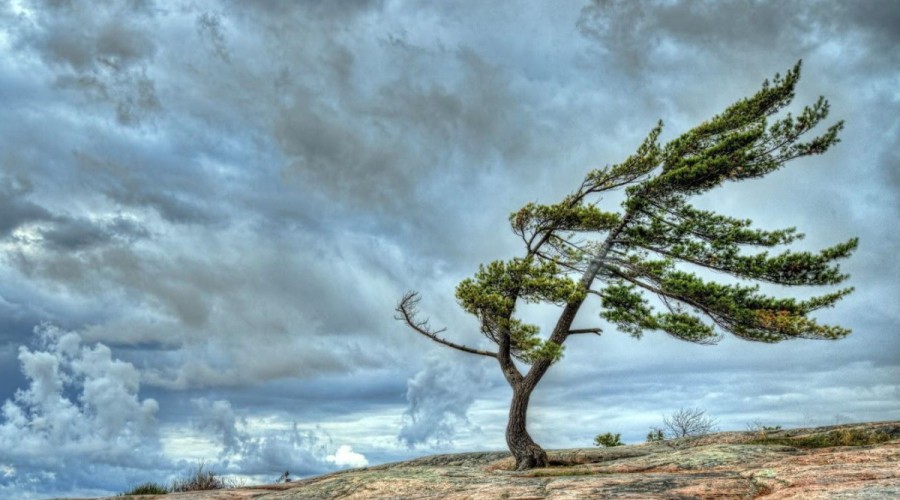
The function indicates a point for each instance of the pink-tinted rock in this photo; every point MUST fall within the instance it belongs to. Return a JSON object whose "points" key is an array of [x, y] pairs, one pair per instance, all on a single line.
{"points": [[840, 462]]}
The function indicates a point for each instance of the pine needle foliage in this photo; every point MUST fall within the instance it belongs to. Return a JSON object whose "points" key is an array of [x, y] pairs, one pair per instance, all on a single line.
{"points": [[608, 440], [657, 229], [642, 260]]}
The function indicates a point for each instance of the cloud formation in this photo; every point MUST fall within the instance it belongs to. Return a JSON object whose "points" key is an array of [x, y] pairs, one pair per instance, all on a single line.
{"points": [[80, 405], [346, 457], [439, 397], [81, 413], [248, 452], [229, 197]]}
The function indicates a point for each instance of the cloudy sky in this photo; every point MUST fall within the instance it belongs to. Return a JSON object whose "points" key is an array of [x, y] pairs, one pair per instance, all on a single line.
{"points": [[209, 209]]}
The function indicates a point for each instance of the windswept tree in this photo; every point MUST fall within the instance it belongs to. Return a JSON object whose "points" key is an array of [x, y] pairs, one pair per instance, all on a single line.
{"points": [[574, 250]]}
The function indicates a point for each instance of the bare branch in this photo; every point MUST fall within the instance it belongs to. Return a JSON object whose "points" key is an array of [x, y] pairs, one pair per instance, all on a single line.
{"points": [[576, 331], [407, 313], [688, 422]]}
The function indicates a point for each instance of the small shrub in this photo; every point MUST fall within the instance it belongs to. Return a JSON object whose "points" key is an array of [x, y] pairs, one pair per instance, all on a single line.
{"points": [[146, 489], [689, 422], [200, 479], [762, 430], [758, 426], [655, 435], [608, 440]]}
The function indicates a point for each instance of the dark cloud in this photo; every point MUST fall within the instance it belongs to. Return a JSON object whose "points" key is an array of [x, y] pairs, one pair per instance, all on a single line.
{"points": [[638, 34], [67, 234], [210, 28], [230, 197], [439, 398], [100, 51], [15, 209], [145, 182]]}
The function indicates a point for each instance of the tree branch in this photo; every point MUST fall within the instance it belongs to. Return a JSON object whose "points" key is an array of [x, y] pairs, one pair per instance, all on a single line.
{"points": [[720, 320], [564, 323], [576, 331], [407, 310]]}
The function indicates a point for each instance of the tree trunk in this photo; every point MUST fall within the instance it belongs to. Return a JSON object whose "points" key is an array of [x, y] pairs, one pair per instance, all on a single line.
{"points": [[527, 453]]}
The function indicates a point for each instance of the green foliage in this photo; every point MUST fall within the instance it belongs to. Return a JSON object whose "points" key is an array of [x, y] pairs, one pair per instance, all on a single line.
{"points": [[655, 435], [641, 260], [626, 308], [634, 168], [645, 247], [564, 216], [148, 488], [608, 440], [492, 294]]}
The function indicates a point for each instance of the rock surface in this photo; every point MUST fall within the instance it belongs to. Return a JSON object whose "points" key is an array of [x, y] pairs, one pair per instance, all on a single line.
{"points": [[839, 462]]}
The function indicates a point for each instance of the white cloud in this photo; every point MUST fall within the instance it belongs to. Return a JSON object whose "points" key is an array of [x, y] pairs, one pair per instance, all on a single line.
{"points": [[80, 410], [104, 418], [346, 457], [231, 196], [265, 449]]}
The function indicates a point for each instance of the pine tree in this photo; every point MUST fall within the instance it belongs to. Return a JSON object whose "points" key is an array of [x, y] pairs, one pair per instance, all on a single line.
{"points": [[575, 250]]}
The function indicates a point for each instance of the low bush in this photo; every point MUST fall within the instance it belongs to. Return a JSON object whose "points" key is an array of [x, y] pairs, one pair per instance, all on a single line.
{"points": [[608, 440], [146, 489], [200, 479], [655, 435], [689, 422]]}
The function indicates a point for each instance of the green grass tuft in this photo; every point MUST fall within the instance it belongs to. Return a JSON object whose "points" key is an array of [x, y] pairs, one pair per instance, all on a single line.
{"points": [[146, 489]]}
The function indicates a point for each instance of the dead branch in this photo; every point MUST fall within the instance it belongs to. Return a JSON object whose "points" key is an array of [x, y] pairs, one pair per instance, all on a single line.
{"points": [[407, 312]]}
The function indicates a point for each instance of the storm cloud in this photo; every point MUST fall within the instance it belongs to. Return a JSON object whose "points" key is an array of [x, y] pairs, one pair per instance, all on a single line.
{"points": [[219, 203]]}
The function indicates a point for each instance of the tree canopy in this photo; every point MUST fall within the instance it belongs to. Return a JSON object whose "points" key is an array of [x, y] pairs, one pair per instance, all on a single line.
{"points": [[655, 243]]}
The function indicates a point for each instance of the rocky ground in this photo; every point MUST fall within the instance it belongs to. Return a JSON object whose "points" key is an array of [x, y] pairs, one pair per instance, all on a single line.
{"points": [[839, 462]]}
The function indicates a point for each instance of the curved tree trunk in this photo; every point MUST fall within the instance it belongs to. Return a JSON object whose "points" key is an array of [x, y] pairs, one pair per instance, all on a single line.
{"points": [[527, 453]]}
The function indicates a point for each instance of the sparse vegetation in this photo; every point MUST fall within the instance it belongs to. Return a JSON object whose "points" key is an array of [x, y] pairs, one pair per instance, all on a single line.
{"points": [[839, 437], [608, 440], [655, 435], [707, 465], [147, 488], [758, 426], [200, 479], [761, 429], [689, 422]]}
